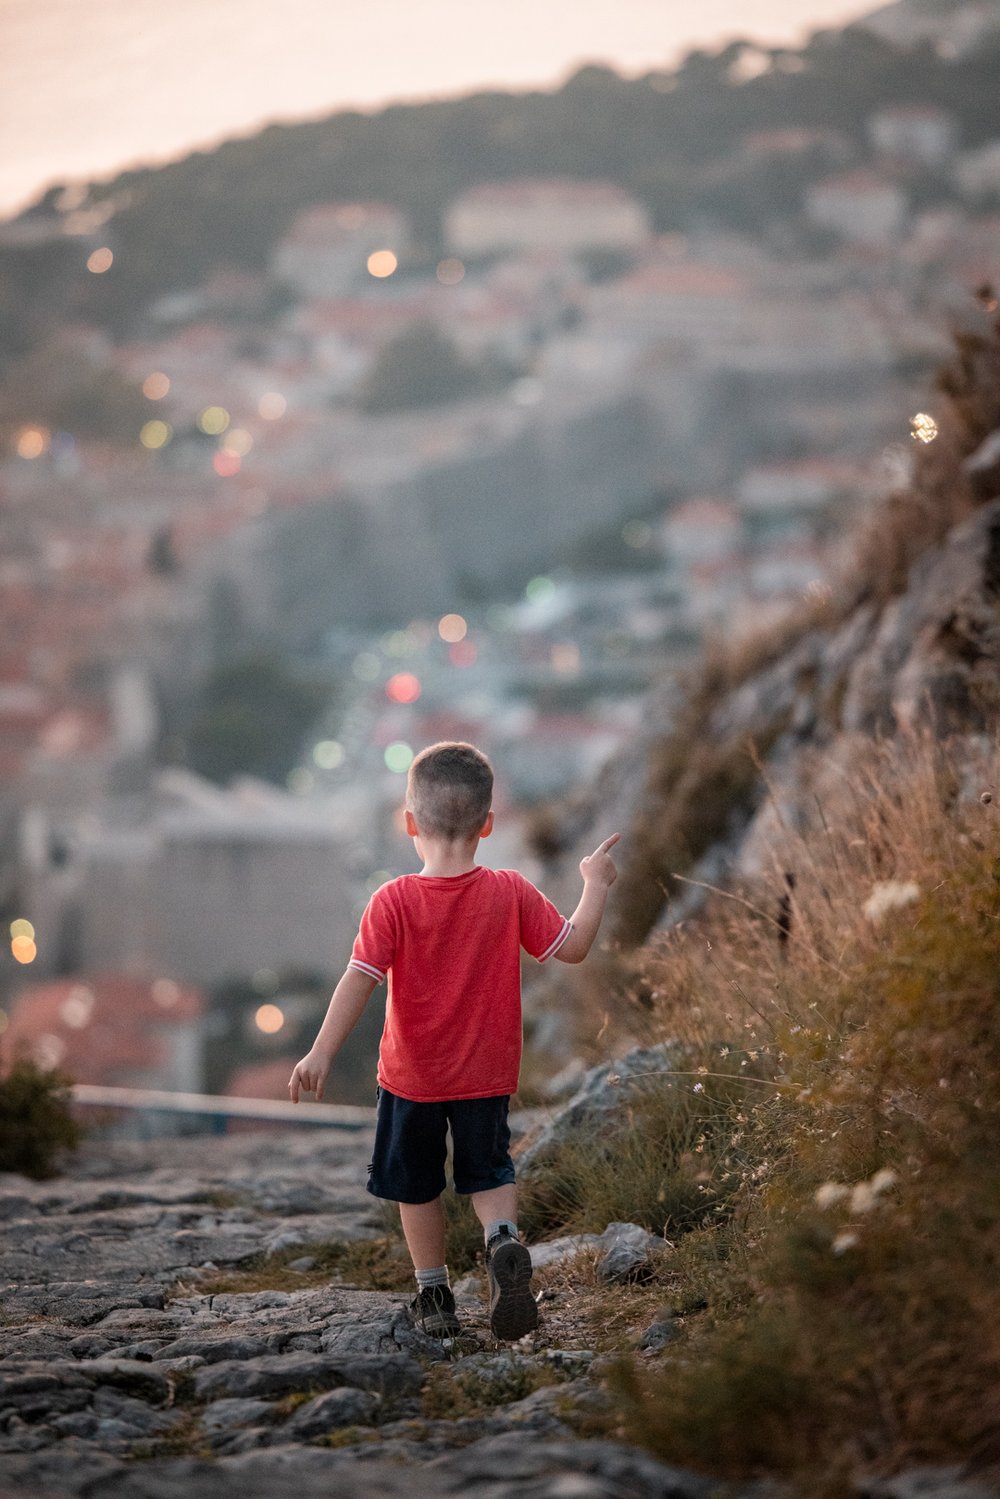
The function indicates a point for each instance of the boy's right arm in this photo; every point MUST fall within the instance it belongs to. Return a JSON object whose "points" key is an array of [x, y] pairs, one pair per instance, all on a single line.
{"points": [[349, 1000]]}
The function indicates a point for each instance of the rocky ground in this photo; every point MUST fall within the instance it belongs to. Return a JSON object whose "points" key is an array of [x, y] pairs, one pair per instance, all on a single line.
{"points": [[126, 1373], [123, 1373]]}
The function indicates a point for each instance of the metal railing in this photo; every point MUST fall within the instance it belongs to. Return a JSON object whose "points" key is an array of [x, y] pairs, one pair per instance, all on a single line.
{"points": [[217, 1110]]}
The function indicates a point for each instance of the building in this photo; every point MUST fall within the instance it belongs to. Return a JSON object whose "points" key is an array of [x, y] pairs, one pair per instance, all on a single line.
{"points": [[112, 1029], [701, 529], [978, 172], [558, 214], [206, 883], [326, 251], [914, 134], [860, 206]]}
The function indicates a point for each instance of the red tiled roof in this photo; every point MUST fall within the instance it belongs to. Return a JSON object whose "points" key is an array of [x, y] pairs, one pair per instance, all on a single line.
{"points": [[101, 1029]]}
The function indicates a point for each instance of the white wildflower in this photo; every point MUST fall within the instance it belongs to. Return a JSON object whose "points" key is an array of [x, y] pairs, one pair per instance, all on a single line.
{"points": [[883, 1181], [843, 1242], [862, 1198], [889, 895], [830, 1193]]}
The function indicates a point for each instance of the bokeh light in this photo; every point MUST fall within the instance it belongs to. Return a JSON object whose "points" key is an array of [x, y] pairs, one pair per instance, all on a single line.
{"points": [[540, 589], [269, 1019], [155, 434], [452, 628], [77, 1008], [398, 643], [214, 420], [100, 261], [156, 386], [48, 1051], [450, 271], [226, 464], [329, 754], [637, 534], [398, 757], [165, 993], [923, 427], [22, 928], [404, 687], [24, 949], [272, 405], [32, 442], [238, 441], [382, 263]]}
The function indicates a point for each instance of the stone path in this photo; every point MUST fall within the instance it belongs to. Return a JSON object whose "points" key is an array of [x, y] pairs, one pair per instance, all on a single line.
{"points": [[120, 1377]]}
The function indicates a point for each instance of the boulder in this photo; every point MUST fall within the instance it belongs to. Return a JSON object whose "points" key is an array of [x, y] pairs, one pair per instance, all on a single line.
{"points": [[598, 1103]]}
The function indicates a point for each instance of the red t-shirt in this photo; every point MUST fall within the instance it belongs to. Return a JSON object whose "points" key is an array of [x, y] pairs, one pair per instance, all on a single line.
{"points": [[451, 947]]}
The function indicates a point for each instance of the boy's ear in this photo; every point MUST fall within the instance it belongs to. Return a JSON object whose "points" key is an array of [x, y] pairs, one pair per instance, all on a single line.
{"points": [[409, 823], [487, 827]]}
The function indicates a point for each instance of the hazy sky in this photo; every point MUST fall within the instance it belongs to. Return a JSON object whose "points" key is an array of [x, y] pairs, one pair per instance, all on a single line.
{"points": [[89, 86]]}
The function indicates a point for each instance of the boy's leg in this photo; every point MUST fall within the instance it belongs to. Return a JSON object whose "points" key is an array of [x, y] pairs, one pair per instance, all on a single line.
{"points": [[423, 1230], [408, 1168], [482, 1151], [496, 1204]]}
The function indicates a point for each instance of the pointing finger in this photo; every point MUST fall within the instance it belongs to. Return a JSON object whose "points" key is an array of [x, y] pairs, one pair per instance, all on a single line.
{"points": [[608, 843]]}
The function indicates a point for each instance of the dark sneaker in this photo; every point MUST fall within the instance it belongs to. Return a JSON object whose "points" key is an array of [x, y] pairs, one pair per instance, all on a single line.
{"points": [[512, 1306], [434, 1310]]}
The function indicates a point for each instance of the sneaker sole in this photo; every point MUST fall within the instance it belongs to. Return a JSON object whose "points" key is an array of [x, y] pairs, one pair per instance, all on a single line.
{"points": [[441, 1327], [513, 1312]]}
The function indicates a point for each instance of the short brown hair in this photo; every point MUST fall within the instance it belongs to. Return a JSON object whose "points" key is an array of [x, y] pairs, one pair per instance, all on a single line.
{"points": [[449, 790]]}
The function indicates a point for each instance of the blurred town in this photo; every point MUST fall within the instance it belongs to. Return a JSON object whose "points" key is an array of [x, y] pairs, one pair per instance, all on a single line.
{"points": [[492, 494]]}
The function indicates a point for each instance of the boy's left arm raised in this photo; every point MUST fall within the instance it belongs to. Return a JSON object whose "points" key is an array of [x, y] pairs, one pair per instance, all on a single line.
{"points": [[599, 872], [345, 1010]]}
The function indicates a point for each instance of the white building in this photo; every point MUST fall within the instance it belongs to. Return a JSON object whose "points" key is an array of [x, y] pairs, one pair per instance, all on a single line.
{"points": [[326, 251], [920, 134], [978, 172], [859, 206], [209, 884], [558, 214], [701, 529]]}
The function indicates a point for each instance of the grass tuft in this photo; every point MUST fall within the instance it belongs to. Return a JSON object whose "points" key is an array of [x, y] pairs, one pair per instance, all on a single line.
{"points": [[852, 1288]]}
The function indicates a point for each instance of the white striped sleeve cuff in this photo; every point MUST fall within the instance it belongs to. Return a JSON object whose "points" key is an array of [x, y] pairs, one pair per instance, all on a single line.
{"points": [[368, 968], [554, 947]]}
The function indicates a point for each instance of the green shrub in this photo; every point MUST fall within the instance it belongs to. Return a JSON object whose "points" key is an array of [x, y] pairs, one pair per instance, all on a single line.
{"points": [[35, 1121]]}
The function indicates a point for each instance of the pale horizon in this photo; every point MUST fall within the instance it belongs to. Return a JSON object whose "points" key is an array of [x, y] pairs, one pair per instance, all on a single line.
{"points": [[91, 90]]}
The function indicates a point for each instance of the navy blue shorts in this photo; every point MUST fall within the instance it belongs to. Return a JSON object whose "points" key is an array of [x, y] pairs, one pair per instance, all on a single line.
{"points": [[411, 1147]]}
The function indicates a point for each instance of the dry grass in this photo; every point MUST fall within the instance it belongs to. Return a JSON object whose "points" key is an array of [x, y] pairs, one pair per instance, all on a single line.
{"points": [[862, 1242]]}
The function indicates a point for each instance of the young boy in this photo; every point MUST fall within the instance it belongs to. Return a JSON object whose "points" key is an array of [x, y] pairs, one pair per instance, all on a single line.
{"points": [[449, 941]]}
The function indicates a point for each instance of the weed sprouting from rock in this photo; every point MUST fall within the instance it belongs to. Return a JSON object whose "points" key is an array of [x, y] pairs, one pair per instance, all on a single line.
{"points": [[36, 1125]]}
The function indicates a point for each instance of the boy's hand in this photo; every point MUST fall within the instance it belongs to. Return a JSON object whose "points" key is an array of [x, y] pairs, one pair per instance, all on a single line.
{"points": [[599, 868], [309, 1076]]}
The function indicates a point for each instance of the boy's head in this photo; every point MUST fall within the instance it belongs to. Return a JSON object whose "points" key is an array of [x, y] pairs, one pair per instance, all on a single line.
{"points": [[449, 790]]}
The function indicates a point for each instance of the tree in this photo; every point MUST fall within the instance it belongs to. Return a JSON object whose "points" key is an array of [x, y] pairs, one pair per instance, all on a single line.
{"points": [[422, 368], [253, 715]]}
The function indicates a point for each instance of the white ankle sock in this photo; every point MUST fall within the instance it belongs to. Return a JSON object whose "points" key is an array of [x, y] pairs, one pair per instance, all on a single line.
{"points": [[492, 1229], [436, 1277]]}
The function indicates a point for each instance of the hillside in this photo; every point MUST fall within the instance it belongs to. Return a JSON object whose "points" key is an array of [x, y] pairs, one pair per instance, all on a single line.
{"points": [[674, 139], [904, 639]]}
